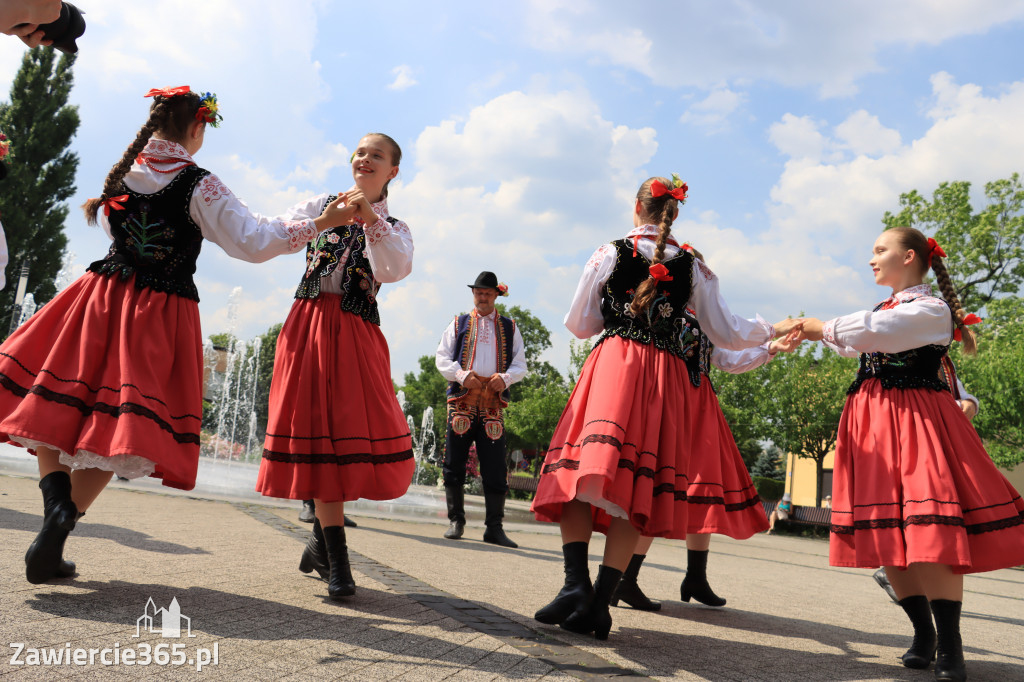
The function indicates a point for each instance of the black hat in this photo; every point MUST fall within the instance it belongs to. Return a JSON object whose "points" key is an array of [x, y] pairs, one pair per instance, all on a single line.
{"points": [[68, 27], [485, 280]]}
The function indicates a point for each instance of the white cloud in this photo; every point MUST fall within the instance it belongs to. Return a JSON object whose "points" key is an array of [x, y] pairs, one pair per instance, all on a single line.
{"points": [[527, 185], [714, 110], [830, 209], [798, 137], [862, 133], [403, 78], [827, 45]]}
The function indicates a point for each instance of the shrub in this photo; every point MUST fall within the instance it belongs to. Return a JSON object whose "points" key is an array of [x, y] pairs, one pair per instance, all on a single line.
{"points": [[768, 488]]}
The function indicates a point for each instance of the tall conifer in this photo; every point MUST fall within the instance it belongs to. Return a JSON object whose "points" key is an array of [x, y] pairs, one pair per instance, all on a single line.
{"points": [[41, 173]]}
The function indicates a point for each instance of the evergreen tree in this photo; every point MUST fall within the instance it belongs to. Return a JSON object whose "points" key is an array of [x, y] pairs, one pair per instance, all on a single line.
{"points": [[767, 464], [41, 172]]}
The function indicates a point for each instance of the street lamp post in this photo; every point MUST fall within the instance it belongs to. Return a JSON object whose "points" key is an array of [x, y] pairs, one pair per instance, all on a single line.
{"points": [[19, 298]]}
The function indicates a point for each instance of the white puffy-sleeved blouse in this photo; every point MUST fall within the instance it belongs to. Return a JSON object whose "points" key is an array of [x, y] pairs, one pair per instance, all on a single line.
{"points": [[389, 248], [725, 330], [908, 319], [223, 218]]}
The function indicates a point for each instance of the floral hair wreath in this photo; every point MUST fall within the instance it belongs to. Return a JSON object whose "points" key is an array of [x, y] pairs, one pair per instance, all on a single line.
{"points": [[208, 109], [502, 289], [5, 146]]}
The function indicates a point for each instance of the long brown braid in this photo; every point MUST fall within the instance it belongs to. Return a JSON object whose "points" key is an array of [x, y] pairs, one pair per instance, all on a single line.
{"points": [[169, 116], [664, 210], [913, 239]]}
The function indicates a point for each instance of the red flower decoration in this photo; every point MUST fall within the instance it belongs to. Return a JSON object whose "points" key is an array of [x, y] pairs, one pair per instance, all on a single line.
{"points": [[113, 203], [502, 289], [169, 92], [934, 249], [969, 319], [686, 247], [658, 189], [660, 273]]}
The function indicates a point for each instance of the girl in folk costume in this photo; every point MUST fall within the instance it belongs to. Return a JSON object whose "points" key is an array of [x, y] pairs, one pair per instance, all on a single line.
{"points": [[107, 377], [913, 489], [624, 441], [335, 431], [721, 496]]}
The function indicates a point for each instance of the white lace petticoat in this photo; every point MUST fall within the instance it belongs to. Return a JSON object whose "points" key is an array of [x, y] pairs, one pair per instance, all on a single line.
{"points": [[590, 489], [125, 466]]}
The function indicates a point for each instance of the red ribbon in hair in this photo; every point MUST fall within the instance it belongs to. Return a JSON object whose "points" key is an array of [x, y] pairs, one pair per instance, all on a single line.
{"points": [[169, 92], [659, 189], [934, 249], [113, 203], [660, 273], [970, 319]]}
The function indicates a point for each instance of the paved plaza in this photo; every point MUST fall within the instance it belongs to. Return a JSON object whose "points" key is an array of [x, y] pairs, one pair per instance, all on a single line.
{"points": [[433, 609]]}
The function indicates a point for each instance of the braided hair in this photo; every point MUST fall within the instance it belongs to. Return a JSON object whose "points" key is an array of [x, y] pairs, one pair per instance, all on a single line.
{"points": [[169, 116], [914, 240], [662, 209]]}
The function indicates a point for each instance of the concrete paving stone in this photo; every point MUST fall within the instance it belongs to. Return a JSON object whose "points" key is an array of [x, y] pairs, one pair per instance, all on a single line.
{"points": [[789, 616]]}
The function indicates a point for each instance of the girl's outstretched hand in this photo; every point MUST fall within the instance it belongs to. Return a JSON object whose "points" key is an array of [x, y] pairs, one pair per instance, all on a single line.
{"points": [[336, 214], [364, 209], [786, 344], [811, 329], [786, 326]]}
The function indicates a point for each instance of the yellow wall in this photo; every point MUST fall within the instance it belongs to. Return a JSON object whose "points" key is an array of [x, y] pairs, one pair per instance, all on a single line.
{"points": [[801, 478], [1016, 477]]}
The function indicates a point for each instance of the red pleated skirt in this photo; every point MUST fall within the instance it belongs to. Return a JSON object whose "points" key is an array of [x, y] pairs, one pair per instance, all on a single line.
{"points": [[721, 496], [913, 483], [108, 369], [335, 431], [624, 440]]}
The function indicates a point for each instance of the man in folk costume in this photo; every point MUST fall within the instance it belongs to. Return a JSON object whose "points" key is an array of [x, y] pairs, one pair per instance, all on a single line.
{"points": [[481, 354]]}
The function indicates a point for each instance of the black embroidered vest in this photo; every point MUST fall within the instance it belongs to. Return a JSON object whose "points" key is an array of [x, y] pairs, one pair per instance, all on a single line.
{"points": [[155, 238], [914, 368], [344, 247], [466, 329], [697, 349], [663, 324]]}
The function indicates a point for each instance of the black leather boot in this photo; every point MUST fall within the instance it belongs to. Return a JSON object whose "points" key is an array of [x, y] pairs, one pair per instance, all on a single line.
{"points": [[576, 591], [340, 583], [494, 504], [922, 651], [629, 591], [949, 660], [595, 616], [314, 556], [349, 523], [308, 512], [43, 560], [455, 496], [695, 584]]}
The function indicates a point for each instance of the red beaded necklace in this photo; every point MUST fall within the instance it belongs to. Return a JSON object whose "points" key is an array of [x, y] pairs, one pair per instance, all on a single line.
{"points": [[147, 160]]}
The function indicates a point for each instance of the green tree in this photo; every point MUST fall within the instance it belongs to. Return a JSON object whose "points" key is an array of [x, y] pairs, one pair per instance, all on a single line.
{"points": [[41, 171], [742, 398], [768, 464], [996, 376], [984, 250], [805, 392]]}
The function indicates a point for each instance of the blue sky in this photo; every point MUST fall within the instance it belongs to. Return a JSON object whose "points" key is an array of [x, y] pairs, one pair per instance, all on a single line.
{"points": [[527, 127]]}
